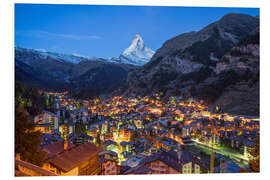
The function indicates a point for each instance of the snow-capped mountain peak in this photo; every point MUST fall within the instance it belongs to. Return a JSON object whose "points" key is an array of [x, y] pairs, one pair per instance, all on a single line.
{"points": [[137, 53], [137, 44]]}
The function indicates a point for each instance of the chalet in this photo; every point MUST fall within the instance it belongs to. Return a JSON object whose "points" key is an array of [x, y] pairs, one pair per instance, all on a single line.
{"points": [[108, 162], [78, 160], [79, 138], [125, 133], [55, 148], [172, 163], [186, 131], [127, 146], [167, 145], [66, 129], [47, 117]]}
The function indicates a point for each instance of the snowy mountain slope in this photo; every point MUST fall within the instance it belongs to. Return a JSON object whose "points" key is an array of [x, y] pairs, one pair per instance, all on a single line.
{"points": [[71, 58], [137, 53]]}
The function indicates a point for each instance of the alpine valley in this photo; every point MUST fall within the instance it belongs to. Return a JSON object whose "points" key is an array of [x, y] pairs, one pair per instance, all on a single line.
{"points": [[218, 64], [81, 74]]}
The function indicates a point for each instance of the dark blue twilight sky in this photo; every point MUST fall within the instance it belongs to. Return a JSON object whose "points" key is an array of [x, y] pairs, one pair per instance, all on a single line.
{"points": [[105, 31]]}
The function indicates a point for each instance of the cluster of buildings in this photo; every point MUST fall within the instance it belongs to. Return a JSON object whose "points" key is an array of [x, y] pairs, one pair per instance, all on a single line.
{"points": [[143, 135]]}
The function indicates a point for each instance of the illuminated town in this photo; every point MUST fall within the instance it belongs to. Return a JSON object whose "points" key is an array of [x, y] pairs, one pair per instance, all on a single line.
{"points": [[135, 90], [143, 135]]}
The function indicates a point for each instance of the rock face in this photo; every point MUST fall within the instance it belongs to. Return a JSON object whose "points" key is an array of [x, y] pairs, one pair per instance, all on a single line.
{"points": [[225, 32], [206, 64], [242, 95], [240, 58], [240, 99]]}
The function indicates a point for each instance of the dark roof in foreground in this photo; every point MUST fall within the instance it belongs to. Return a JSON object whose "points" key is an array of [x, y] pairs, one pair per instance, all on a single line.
{"points": [[33, 167], [69, 159], [55, 148], [172, 159]]}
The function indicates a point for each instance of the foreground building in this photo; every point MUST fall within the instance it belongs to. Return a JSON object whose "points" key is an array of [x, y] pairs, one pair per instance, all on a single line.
{"points": [[23, 168], [78, 160], [172, 162]]}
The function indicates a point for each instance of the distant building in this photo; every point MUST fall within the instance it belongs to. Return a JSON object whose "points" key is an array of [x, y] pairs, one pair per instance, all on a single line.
{"points": [[66, 129], [186, 131], [249, 147], [79, 138], [48, 117]]}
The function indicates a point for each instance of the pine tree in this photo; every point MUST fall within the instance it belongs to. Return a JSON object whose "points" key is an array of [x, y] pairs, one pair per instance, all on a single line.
{"points": [[27, 140]]}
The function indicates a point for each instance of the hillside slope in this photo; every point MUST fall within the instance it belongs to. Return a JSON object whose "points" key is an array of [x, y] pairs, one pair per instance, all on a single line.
{"points": [[204, 64]]}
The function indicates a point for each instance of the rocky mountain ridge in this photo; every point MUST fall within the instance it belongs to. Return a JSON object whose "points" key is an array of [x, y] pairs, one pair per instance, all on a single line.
{"points": [[206, 64]]}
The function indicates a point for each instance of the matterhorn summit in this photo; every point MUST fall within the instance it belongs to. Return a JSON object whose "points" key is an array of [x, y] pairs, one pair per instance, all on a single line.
{"points": [[136, 45], [137, 53]]}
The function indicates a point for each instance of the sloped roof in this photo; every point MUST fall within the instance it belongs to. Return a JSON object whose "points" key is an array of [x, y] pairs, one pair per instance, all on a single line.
{"points": [[69, 159], [171, 159], [109, 142], [55, 148], [77, 135], [33, 167]]}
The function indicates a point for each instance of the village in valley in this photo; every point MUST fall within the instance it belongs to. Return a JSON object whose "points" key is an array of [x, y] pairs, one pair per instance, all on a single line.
{"points": [[141, 135]]}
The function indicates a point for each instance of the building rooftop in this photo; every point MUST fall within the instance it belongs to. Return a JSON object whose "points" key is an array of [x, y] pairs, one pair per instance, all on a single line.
{"points": [[69, 159], [55, 148], [37, 169]]}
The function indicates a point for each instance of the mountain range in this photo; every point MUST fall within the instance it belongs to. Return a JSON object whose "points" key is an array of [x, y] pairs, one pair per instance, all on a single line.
{"points": [[136, 54], [218, 64], [52, 70]]}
